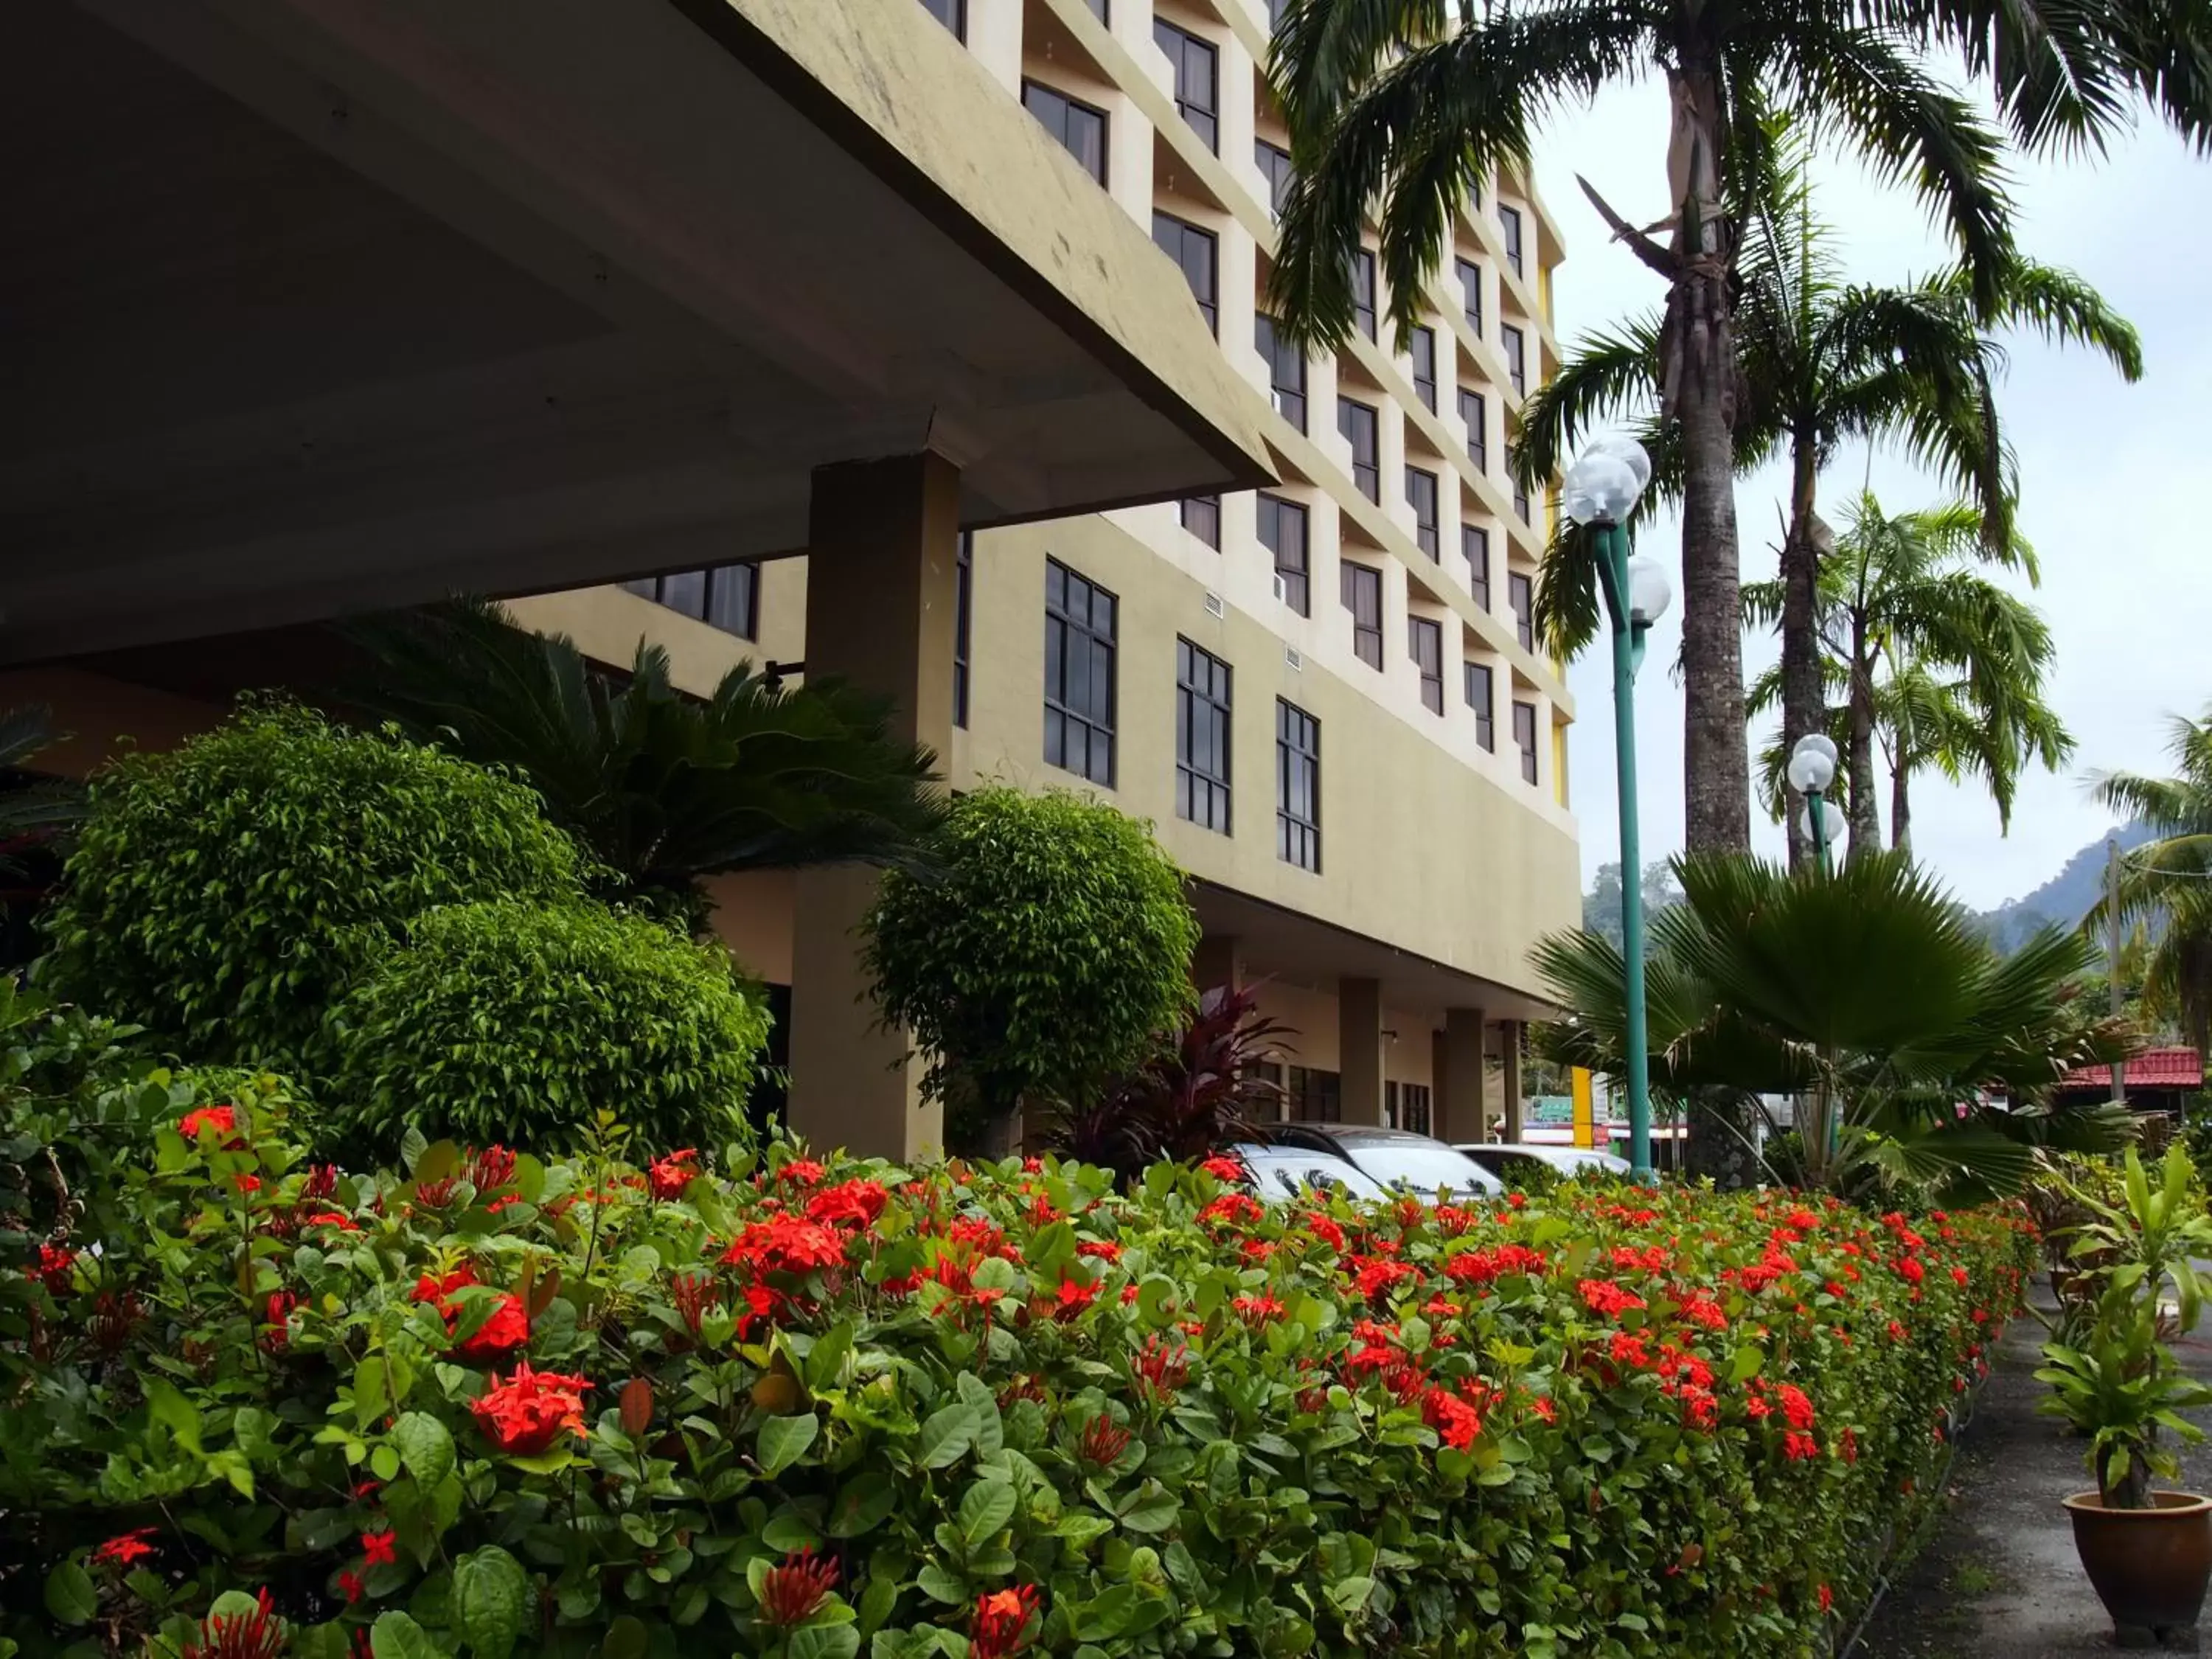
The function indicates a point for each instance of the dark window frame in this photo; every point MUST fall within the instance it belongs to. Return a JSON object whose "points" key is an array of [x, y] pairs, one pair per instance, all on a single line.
{"points": [[1425, 643], [1069, 105], [1521, 599], [1509, 232], [1274, 511], [1514, 344], [1475, 547], [1422, 349], [1205, 725], [1274, 164], [1365, 288], [1474, 410], [1289, 399], [1367, 470], [1356, 585], [1311, 1095], [1297, 787], [1072, 620], [1470, 293], [1525, 741], [1206, 511], [1177, 44], [1186, 235], [953, 14], [1420, 481], [672, 591], [1478, 686], [963, 611]]}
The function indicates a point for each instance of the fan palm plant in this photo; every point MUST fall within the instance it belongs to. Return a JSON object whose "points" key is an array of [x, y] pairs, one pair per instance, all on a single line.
{"points": [[1821, 362], [35, 811], [2168, 882], [663, 788], [1397, 109], [1868, 993]]}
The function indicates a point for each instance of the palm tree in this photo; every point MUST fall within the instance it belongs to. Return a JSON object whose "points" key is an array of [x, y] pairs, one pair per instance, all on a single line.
{"points": [[662, 788], [1899, 601], [2168, 882], [1870, 995], [1823, 361], [1397, 107], [35, 811]]}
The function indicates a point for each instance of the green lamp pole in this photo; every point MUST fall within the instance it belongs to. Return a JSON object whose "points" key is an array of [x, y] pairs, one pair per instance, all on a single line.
{"points": [[1600, 490]]}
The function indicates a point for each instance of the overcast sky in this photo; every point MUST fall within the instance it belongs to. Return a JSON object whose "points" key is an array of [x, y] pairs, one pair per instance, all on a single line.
{"points": [[2109, 474]]}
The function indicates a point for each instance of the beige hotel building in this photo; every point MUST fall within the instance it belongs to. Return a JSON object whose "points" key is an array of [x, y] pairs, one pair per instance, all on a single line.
{"points": [[1321, 690]]}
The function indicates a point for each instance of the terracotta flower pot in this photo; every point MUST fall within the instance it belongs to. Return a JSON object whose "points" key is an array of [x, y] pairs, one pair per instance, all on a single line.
{"points": [[2150, 1567]]}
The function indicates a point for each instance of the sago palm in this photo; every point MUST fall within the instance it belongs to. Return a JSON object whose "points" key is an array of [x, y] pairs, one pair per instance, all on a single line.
{"points": [[663, 788], [1867, 993], [1903, 597], [1822, 362], [1397, 107], [2168, 882]]}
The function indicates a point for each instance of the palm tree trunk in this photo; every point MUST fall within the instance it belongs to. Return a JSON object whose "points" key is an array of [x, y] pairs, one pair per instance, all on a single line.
{"points": [[1804, 703], [1866, 814], [1900, 806], [1698, 372]]}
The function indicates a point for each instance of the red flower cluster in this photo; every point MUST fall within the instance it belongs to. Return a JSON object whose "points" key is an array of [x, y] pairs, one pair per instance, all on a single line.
{"points": [[1602, 1296], [1261, 1309], [786, 1243], [1483, 1266], [999, 1626], [1103, 1441], [257, 1635], [56, 1269], [795, 1589], [222, 1120], [849, 1203], [1160, 1369], [1223, 1168], [1233, 1207], [505, 1330], [802, 1172], [1455, 1421], [376, 1548], [526, 1415], [666, 1178], [125, 1550]]}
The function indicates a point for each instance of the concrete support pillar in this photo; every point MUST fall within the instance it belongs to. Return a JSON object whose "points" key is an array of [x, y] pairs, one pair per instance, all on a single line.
{"points": [[1462, 1077], [1359, 1049], [1510, 1034], [1218, 962], [882, 545]]}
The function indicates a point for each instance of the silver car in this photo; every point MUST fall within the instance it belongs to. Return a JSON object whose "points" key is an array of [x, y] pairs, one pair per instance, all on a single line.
{"points": [[1281, 1174]]}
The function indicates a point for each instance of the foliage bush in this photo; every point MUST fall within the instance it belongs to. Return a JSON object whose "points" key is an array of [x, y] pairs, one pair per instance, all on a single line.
{"points": [[520, 1021], [588, 1407], [226, 892], [1042, 943]]}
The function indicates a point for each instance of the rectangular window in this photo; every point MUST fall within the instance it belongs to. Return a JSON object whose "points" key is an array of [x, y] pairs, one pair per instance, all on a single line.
{"points": [[953, 14], [1298, 792], [1481, 697], [1193, 251], [1080, 129], [1196, 76], [1313, 1096], [1425, 642], [1517, 369], [1363, 291], [1474, 543], [964, 609], [726, 597], [1283, 533], [1201, 738], [1424, 348], [1520, 597], [1524, 738], [1474, 410], [1421, 495], [1098, 9], [1358, 423], [1413, 1115], [1079, 620], [1470, 289], [1201, 516], [1286, 369], [1362, 588], [1275, 167], [1509, 225]]}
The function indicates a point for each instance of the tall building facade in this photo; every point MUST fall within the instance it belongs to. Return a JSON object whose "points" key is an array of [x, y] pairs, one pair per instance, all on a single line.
{"points": [[1325, 695]]}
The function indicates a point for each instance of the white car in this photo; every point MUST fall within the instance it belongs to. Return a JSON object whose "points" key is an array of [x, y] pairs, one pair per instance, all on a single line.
{"points": [[1419, 1165], [1499, 1158], [1281, 1174]]}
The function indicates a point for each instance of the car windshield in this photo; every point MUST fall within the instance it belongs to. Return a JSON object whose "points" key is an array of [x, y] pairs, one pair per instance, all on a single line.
{"points": [[1424, 1169], [1278, 1177]]}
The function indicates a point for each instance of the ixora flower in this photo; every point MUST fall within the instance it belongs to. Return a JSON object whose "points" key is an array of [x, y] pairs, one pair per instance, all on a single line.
{"points": [[1001, 1621], [124, 1549], [855, 1203], [786, 1244], [526, 1415], [259, 1634], [793, 1590], [505, 1329], [1602, 1296], [668, 1177], [56, 1269], [221, 1119], [1223, 1168], [376, 1548], [1103, 1441], [802, 1172]]}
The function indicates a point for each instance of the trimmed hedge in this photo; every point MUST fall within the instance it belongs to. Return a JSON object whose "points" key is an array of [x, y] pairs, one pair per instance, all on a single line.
{"points": [[583, 1407], [524, 1022]]}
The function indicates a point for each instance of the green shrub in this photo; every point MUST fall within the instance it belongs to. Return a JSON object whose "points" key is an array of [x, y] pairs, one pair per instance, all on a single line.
{"points": [[1010, 1407], [511, 1021], [1039, 951], [225, 893]]}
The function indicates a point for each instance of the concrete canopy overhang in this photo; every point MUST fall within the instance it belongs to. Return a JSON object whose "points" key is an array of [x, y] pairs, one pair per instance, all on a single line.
{"points": [[1295, 949], [314, 306]]}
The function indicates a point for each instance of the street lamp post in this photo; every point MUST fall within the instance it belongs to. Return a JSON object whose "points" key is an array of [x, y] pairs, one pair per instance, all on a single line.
{"points": [[1600, 490], [1812, 769]]}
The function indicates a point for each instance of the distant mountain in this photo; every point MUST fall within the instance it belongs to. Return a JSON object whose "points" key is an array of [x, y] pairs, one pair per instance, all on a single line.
{"points": [[2064, 899]]}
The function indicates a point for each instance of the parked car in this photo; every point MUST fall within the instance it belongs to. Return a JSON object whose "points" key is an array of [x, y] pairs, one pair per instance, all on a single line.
{"points": [[1399, 1159], [1280, 1174], [1499, 1158]]}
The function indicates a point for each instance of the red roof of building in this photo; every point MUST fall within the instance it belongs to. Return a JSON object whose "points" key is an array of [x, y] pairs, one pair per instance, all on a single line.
{"points": [[2153, 1068]]}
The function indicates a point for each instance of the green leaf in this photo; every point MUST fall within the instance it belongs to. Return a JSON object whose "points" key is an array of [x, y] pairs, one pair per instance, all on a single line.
{"points": [[1746, 1362], [426, 1447], [985, 1509], [395, 1635], [1153, 1508], [862, 1504], [947, 1435], [72, 1597], [822, 1642], [939, 1585], [173, 1412], [784, 1440], [491, 1596], [626, 1638]]}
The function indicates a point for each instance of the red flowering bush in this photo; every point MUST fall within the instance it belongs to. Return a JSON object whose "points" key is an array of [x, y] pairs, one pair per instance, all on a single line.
{"points": [[809, 1408]]}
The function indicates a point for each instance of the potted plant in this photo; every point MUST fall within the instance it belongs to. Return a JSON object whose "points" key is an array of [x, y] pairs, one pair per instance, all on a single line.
{"points": [[2149, 1553]]}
